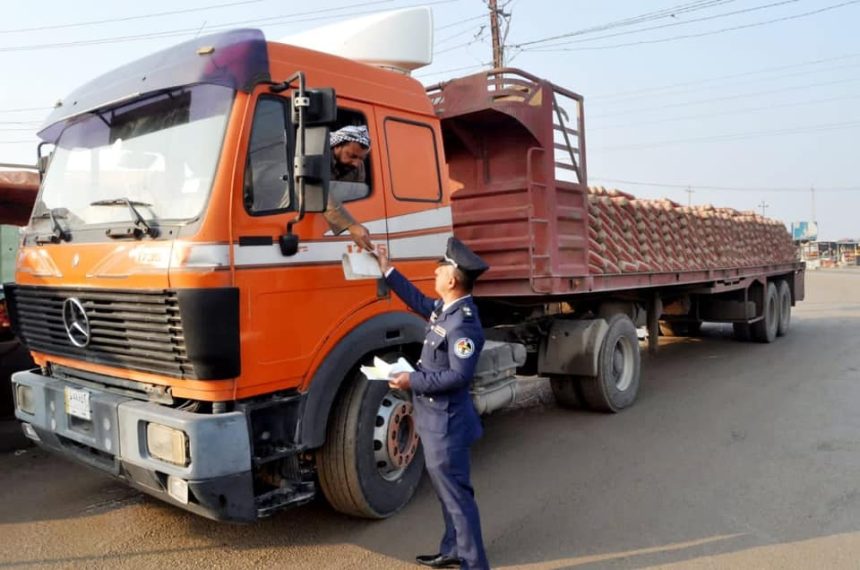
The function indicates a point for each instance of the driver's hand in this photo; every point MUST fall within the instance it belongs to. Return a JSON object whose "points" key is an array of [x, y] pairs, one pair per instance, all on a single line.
{"points": [[360, 236]]}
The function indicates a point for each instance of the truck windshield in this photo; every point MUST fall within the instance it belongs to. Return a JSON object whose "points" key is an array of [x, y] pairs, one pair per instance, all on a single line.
{"points": [[160, 150]]}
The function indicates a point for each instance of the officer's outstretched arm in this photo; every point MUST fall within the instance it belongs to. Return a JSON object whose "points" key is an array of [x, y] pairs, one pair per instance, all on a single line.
{"points": [[417, 301], [464, 348]]}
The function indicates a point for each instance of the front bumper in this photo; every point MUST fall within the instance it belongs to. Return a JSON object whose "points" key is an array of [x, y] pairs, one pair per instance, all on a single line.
{"points": [[218, 474]]}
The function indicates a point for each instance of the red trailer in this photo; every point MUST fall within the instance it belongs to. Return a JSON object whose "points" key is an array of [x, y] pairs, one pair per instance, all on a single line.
{"points": [[18, 190], [574, 271]]}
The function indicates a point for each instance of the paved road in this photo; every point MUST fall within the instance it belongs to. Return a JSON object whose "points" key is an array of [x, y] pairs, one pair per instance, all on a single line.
{"points": [[735, 456]]}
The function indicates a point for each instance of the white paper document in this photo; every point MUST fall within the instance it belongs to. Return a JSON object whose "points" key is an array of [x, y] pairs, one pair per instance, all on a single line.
{"points": [[361, 265], [382, 370]]}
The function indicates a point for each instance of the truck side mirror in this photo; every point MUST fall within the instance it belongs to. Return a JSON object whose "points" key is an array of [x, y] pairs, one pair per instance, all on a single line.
{"points": [[313, 110], [317, 168], [321, 108]]}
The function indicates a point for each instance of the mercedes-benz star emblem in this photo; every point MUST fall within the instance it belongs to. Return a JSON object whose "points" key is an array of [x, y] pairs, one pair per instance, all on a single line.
{"points": [[76, 321]]}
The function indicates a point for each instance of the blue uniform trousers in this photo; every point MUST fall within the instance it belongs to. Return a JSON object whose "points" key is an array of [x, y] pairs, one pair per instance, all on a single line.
{"points": [[448, 467]]}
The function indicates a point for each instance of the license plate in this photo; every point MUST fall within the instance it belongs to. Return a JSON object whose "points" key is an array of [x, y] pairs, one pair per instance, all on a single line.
{"points": [[78, 403]]}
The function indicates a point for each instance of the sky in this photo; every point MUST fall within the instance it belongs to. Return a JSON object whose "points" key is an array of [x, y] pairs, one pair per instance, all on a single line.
{"points": [[749, 104]]}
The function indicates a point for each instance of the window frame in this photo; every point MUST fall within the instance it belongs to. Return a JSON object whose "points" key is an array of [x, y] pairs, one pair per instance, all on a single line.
{"points": [[435, 157], [290, 156]]}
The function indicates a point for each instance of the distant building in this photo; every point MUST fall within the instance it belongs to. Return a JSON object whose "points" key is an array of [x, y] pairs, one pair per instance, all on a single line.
{"points": [[826, 254]]}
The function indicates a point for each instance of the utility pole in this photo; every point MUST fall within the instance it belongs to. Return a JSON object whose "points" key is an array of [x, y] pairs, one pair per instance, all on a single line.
{"points": [[498, 48], [764, 206], [689, 192], [812, 191]]}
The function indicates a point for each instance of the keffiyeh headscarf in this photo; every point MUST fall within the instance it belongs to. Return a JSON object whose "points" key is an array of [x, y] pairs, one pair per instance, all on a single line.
{"points": [[356, 134]]}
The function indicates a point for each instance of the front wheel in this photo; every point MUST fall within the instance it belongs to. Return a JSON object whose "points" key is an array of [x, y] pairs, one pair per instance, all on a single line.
{"points": [[372, 460], [617, 381]]}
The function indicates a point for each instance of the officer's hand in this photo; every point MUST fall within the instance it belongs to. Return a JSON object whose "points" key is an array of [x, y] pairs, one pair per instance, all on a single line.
{"points": [[399, 381], [360, 236], [382, 258]]}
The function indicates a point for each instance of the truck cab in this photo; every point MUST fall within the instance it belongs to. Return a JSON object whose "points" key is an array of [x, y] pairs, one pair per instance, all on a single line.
{"points": [[180, 345]]}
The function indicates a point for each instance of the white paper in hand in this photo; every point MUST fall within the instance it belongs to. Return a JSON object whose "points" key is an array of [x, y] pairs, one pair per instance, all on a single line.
{"points": [[361, 265], [382, 370]]}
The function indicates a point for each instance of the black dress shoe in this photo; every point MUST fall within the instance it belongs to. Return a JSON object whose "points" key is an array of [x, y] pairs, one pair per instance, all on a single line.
{"points": [[438, 561]]}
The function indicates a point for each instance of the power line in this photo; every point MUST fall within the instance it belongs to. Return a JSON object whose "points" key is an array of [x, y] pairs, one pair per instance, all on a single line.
{"points": [[26, 109], [720, 78], [129, 18], [792, 88], [670, 12], [441, 71], [460, 22], [271, 21], [457, 35], [726, 188], [724, 113], [731, 137], [673, 24], [709, 33]]}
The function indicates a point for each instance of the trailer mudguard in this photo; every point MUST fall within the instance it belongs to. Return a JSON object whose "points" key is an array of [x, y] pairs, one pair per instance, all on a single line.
{"points": [[382, 332], [571, 348]]}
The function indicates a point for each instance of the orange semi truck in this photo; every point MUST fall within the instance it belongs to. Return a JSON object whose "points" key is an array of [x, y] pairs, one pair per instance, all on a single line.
{"points": [[184, 299]]}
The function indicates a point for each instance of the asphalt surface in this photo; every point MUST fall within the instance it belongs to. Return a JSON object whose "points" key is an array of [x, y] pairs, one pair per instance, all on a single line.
{"points": [[736, 455]]}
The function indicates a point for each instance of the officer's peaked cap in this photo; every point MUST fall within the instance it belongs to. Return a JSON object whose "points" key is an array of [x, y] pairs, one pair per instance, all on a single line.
{"points": [[460, 256]]}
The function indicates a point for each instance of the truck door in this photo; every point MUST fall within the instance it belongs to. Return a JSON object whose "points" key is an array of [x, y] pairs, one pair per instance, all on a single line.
{"points": [[416, 201], [291, 305]]}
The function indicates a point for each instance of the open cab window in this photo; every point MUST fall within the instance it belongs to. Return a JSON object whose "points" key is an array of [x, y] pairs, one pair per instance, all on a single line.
{"points": [[348, 185], [268, 184]]}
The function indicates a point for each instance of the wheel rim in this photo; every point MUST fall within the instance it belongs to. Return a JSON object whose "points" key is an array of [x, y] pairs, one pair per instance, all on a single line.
{"points": [[395, 439], [622, 364]]}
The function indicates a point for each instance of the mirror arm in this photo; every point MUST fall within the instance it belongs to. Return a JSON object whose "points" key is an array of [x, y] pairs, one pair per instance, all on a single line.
{"points": [[41, 162], [290, 242]]}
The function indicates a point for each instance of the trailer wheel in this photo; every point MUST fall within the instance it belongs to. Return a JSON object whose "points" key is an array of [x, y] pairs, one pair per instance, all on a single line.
{"points": [[764, 330], [372, 460], [568, 391], [680, 328], [784, 295], [617, 381]]}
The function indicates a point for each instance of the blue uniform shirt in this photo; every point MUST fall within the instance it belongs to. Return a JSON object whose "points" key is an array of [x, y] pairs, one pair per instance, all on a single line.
{"points": [[452, 344]]}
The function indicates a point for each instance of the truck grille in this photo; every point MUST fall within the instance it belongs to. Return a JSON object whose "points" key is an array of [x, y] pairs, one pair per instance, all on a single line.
{"points": [[137, 330]]}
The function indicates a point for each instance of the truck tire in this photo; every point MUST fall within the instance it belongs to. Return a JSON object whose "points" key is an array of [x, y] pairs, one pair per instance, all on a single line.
{"points": [[764, 330], [680, 328], [567, 391], [617, 381], [372, 459], [784, 296]]}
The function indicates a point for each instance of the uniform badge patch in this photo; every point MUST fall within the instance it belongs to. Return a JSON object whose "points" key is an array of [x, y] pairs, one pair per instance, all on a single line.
{"points": [[464, 347]]}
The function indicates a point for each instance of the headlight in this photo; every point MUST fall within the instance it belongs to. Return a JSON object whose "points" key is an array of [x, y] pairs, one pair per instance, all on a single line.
{"points": [[167, 444], [25, 399]]}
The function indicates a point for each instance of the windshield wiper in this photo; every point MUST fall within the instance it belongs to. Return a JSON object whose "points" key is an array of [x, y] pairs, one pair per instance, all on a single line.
{"points": [[58, 232], [141, 227]]}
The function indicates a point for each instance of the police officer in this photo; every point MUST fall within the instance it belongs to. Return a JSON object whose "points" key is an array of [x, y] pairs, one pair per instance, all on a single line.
{"points": [[444, 415]]}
